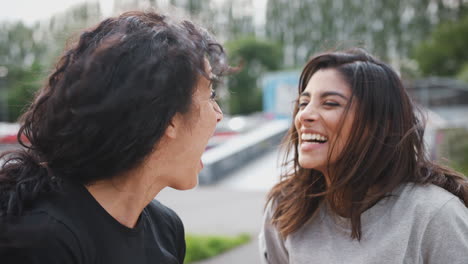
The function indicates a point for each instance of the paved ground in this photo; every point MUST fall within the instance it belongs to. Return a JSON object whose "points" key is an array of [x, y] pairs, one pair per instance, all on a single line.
{"points": [[258, 175], [230, 207], [212, 210]]}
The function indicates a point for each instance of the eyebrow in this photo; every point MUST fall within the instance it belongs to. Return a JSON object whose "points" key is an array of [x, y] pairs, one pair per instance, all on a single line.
{"points": [[325, 94]]}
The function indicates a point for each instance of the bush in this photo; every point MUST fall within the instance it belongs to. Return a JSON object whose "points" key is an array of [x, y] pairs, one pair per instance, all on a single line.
{"points": [[202, 247], [463, 73], [454, 148], [445, 52], [22, 85], [255, 57]]}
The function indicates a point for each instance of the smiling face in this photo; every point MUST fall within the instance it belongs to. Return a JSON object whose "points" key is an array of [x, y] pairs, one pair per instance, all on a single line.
{"points": [[319, 124]]}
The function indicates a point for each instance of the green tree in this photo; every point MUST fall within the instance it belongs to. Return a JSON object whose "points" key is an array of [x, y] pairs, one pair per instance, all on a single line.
{"points": [[22, 85], [19, 46], [463, 74], [28, 51], [254, 57], [445, 52], [20, 54], [389, 29]]}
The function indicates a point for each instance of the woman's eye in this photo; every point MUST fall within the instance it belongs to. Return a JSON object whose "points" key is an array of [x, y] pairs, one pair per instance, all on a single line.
{"points": [[331, 103], [213, 94], [303, 104]]}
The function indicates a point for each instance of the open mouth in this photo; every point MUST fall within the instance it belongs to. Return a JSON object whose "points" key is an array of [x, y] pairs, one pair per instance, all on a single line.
{"points": [[314, 138]]}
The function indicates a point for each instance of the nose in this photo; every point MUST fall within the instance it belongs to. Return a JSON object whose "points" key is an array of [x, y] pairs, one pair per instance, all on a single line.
{"points": [[308, 114], [219, 112]]}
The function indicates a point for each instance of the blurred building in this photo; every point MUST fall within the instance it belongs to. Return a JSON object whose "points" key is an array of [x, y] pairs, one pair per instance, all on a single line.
{"points": [[280, 93], [445, 97], [439, 91]]}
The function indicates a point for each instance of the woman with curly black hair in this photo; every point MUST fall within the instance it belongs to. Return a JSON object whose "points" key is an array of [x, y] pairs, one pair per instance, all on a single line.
{"points": [[127, 112]]}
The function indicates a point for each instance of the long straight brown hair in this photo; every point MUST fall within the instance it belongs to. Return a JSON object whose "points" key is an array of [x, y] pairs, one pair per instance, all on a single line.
{"points": [[385, 149]]}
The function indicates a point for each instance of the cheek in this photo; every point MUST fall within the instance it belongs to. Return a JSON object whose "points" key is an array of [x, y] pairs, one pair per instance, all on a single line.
{"points": [[348, 123], [208, 117], [332, 123], [345, 133], [297, 122], [342, 138]]}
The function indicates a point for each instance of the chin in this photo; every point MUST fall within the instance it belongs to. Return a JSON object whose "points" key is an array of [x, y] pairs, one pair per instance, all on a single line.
{"points": [[185, 184], [310, 164]]}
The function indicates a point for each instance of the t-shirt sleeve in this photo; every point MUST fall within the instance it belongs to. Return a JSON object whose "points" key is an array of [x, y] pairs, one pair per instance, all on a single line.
{"points": [[180, 239], [271, 244], [445, 239], [169, 228], [40, 240]]}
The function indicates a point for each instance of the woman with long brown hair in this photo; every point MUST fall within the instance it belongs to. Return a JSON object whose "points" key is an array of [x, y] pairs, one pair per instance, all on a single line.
{"points": [[360, 186], [128, 111]]}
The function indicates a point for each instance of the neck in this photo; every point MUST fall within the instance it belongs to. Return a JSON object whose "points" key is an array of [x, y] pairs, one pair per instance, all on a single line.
{"points": [[342, 200], [340, 205], [125, 196]]}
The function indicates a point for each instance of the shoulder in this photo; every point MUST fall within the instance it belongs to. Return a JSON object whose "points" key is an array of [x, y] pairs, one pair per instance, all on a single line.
{"points": [[454, 210], [270, 208], [38, 235], [169, 226], [163, 214], [426, 199], [271, 243], [158, 209], [445, 234], [432, 210], [431, 191]]}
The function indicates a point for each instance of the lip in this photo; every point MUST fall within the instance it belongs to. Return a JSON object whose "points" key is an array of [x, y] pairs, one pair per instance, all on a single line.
{"points": [[308, 146], [311, 131]]}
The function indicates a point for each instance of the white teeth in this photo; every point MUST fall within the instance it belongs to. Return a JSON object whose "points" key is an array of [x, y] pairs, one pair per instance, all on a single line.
{"points": [[308, 136]]}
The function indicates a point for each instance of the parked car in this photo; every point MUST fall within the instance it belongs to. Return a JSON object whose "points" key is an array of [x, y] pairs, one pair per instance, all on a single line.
{"points": [[8, 133]]}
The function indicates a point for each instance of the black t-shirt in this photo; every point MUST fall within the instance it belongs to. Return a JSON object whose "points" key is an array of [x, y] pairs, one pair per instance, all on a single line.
{"points": [[71, 227]]}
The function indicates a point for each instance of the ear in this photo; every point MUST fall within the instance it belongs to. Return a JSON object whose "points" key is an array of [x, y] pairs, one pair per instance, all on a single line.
{"points": [[174, 126]]}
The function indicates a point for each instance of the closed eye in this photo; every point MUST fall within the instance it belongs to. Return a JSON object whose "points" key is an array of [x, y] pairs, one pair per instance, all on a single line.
{"points": [[302, 104], [331, 103]]}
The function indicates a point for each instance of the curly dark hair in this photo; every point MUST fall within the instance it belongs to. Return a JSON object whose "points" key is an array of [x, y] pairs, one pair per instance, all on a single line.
{"points": [[107, 104]]}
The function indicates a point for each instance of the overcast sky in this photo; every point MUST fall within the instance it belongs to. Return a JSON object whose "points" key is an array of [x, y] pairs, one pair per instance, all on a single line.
{"points": [[30, 11]]}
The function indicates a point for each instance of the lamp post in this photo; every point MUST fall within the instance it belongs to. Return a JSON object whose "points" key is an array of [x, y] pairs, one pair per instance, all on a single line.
{"points": [[3, 94]]}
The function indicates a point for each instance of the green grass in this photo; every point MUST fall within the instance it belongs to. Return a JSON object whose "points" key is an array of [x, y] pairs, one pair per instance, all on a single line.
{"points": [[201, 247]]}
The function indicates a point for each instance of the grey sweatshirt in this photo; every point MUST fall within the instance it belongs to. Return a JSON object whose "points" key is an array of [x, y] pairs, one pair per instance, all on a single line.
{"points": [[418, 224]]}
